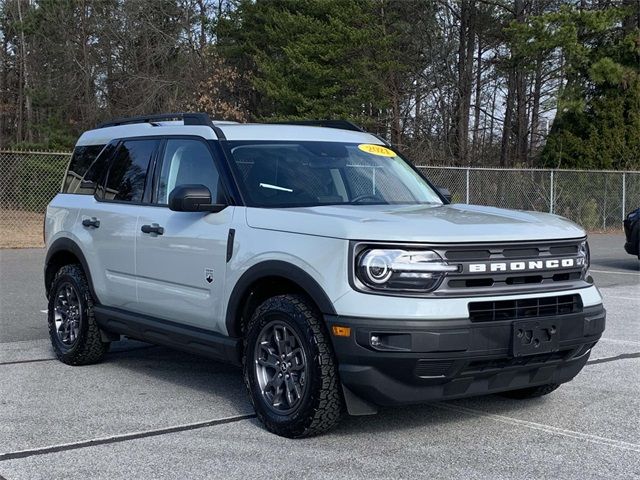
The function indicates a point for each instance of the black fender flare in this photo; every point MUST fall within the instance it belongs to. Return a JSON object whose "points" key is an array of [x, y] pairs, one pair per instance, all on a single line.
{"points": [[68, 245], [270, 268]]}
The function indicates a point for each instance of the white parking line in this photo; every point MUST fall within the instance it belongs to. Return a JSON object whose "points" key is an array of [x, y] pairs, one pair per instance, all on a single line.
{"points": [[543, 428], [614, 272], [44, 311]]}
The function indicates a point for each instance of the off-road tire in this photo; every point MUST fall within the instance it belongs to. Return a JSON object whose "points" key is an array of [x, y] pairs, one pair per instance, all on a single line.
{"points": [[89, 347], [322, 403], [531, 392]]}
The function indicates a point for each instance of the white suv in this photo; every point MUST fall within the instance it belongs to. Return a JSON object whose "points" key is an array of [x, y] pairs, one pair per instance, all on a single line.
{"points": [[316, 257]]}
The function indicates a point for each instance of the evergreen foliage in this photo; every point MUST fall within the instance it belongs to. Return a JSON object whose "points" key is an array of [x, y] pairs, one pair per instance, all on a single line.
{"points": [[451, 82]]}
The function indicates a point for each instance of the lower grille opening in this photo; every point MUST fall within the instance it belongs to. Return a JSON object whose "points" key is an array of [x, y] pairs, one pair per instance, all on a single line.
{"points": [[431, 368], [480, 365], [524, 308]]}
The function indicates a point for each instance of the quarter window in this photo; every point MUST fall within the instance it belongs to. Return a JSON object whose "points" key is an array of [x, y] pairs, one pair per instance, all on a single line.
{"points": [[84, 165], [128, 172]]}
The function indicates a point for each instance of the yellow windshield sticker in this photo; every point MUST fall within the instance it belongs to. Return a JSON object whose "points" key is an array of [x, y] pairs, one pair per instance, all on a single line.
{"points": [[376, 150]]}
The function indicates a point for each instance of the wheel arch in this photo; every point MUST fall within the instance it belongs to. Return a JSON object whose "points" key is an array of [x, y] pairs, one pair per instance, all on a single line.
{"points": [[65, 251], [271, 277]]}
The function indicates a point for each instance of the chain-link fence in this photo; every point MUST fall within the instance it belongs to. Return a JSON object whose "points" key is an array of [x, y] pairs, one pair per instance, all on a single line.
{"points": [[28, 182], [597, 200]]}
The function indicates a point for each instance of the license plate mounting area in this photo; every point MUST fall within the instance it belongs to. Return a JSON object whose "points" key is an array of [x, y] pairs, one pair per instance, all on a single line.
{"points": [[531, 337]]}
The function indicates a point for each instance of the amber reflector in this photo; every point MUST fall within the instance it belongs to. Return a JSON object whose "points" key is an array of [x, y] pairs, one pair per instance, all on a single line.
{"points": [[339, 331]]}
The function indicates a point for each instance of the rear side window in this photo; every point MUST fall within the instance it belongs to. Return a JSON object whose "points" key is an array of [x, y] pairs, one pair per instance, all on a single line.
{"points": [[82, 162], [128, 173]]}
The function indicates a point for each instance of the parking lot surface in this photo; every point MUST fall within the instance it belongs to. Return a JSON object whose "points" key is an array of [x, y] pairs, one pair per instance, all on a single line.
{"points": [[149, 412]]}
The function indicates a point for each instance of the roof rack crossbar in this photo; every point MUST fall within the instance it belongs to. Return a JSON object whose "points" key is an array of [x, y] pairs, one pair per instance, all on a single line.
{"points": [[188, 118]]}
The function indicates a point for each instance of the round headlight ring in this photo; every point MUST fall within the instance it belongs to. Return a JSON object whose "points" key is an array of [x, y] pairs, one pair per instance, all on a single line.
{"points": [[377, 267]]}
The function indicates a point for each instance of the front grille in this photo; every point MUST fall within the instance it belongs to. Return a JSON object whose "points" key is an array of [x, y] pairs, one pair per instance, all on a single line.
{"points": [[524, 308], [495, 252], [521, 280]]}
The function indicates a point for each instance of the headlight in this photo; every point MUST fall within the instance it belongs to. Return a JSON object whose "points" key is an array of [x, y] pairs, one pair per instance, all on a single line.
{"points": [[584, 258], [398, 270]]}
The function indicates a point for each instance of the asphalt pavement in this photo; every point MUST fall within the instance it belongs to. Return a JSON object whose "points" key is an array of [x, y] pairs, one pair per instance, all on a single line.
{"points": [[149, 412]]}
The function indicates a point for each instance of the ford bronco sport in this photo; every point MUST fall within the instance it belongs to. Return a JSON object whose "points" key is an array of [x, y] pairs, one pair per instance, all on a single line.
{"points": [[317, 258]]}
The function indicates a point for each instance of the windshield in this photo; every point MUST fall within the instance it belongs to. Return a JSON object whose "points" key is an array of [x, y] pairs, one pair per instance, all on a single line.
{"points": [[294, 174]]}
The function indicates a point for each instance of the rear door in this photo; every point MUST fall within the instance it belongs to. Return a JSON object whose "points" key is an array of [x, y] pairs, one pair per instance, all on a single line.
{"points": [[181, 269], [109, 222]]}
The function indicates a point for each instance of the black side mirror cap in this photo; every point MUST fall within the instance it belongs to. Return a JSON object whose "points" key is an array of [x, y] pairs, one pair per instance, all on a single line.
{"points": [[193, 198], [444, 191]]}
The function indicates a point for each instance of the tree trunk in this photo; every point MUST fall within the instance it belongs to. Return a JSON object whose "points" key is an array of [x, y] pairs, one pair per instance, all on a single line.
{"points": [[203, 24], [4, 86], [492, 122], [26, 93], [418, 110], [396, 127], [521, 128], [507, 128], [476, 110], [534, 141], [87, 112], [466, 45]]}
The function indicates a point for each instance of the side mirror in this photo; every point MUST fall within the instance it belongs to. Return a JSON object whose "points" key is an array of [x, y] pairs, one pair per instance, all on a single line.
{"points": [[192, 198], [444, 191]]}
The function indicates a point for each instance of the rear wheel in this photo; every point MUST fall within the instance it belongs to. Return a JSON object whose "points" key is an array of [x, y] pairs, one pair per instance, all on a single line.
{"points": [[290, 369], [74, 333], [531, 392]]}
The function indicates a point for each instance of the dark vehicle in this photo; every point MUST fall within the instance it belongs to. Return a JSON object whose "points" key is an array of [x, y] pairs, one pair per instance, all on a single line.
{"points": [[632, 232]]}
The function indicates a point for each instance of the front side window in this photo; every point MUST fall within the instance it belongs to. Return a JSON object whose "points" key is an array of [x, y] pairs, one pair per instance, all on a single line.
{"points": [[187, 162], [289, 174], [127, 175]]}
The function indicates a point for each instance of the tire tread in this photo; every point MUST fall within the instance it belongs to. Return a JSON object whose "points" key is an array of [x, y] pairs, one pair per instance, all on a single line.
{"points": [[328, 406], [90, 348]]}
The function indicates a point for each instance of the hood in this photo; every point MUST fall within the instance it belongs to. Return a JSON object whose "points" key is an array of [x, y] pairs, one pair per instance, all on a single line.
{"points": [[456, 223]]}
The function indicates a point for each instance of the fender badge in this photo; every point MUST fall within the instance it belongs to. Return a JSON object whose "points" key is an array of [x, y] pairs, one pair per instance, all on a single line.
{"points": [[208, 275]]}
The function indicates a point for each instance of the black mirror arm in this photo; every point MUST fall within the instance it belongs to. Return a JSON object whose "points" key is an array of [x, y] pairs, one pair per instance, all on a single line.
{"points": [[212, 207]]}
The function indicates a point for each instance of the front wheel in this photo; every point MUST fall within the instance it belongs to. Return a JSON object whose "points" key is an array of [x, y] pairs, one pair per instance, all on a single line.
{"points": [[290, 369], [74, 333]]}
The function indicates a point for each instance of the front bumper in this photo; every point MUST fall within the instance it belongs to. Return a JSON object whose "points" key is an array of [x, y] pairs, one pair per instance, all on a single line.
{"points": [[632, 234], [446, 359]]}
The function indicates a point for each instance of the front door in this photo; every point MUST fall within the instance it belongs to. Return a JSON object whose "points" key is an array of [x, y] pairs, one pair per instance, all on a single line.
{"points": [[181, 256]]}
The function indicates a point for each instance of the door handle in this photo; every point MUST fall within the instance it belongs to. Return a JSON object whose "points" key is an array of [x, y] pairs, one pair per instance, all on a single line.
{"points": [[153, 228], [91, 222]]}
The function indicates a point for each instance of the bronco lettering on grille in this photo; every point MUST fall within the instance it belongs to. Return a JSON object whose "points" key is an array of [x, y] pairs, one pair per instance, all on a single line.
{"points": [[526, 265]]}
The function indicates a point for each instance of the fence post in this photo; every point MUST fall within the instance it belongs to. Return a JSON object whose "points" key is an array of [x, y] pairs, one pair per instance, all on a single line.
{"points": [[552, 196], [467, 197], [624, 194]]}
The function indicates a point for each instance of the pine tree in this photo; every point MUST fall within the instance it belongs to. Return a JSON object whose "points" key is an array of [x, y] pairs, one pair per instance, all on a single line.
{"points": [[317, 59], [598, 120]]}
